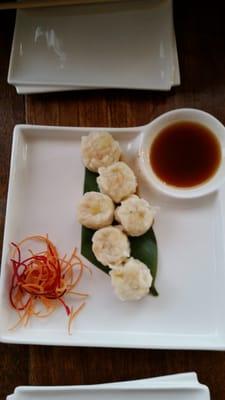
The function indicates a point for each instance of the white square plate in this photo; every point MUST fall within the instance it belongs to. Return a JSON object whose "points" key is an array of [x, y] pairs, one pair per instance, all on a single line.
{"points": [[46, 181], [124, 45]]}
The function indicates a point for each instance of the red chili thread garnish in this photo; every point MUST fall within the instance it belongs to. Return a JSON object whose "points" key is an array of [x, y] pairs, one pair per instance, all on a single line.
{"points": [[43, 280]]}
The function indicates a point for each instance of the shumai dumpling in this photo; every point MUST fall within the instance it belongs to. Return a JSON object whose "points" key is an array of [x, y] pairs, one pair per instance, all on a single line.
{"points": [[96, 210], [132, 280], [110, 245], [135, 215], [99, 149], [117, 181]]}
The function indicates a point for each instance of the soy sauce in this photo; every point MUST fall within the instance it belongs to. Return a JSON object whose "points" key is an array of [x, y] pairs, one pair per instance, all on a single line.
{"points": [[185, 154]]}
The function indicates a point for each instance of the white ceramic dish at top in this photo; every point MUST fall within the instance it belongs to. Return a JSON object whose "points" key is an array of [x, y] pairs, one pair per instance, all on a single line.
{"points": [[31, 89], [46, 181], [123, 45]]}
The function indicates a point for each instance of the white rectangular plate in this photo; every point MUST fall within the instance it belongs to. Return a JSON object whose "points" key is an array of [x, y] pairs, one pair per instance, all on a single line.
{"points": [[189, 379], [182, 385], [31, 89], [157, 389], [185, 379], [123, 45], [161, 392], [46, 181]]}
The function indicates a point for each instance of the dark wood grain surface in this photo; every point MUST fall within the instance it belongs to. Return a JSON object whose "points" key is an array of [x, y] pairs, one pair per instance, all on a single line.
{"points": [[200, 31]]}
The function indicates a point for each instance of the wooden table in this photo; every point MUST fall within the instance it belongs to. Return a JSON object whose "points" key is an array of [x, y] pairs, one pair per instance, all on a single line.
{"points": [[200, 31]]}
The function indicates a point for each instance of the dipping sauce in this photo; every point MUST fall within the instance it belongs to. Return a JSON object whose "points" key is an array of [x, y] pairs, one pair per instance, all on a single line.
{"points": [[185, 154]]}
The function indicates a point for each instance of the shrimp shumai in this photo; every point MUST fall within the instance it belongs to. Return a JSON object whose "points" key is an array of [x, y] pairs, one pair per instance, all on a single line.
{"points": [[117, 181], [99, 149], [95, 210], [135, 215]]}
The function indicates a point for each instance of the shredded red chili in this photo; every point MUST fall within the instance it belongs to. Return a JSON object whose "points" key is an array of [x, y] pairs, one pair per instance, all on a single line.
{"points": [[41, 281]]}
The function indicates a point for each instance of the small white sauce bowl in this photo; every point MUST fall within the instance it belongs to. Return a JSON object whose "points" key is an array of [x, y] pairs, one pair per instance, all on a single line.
{"points": [[148, 135]]}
